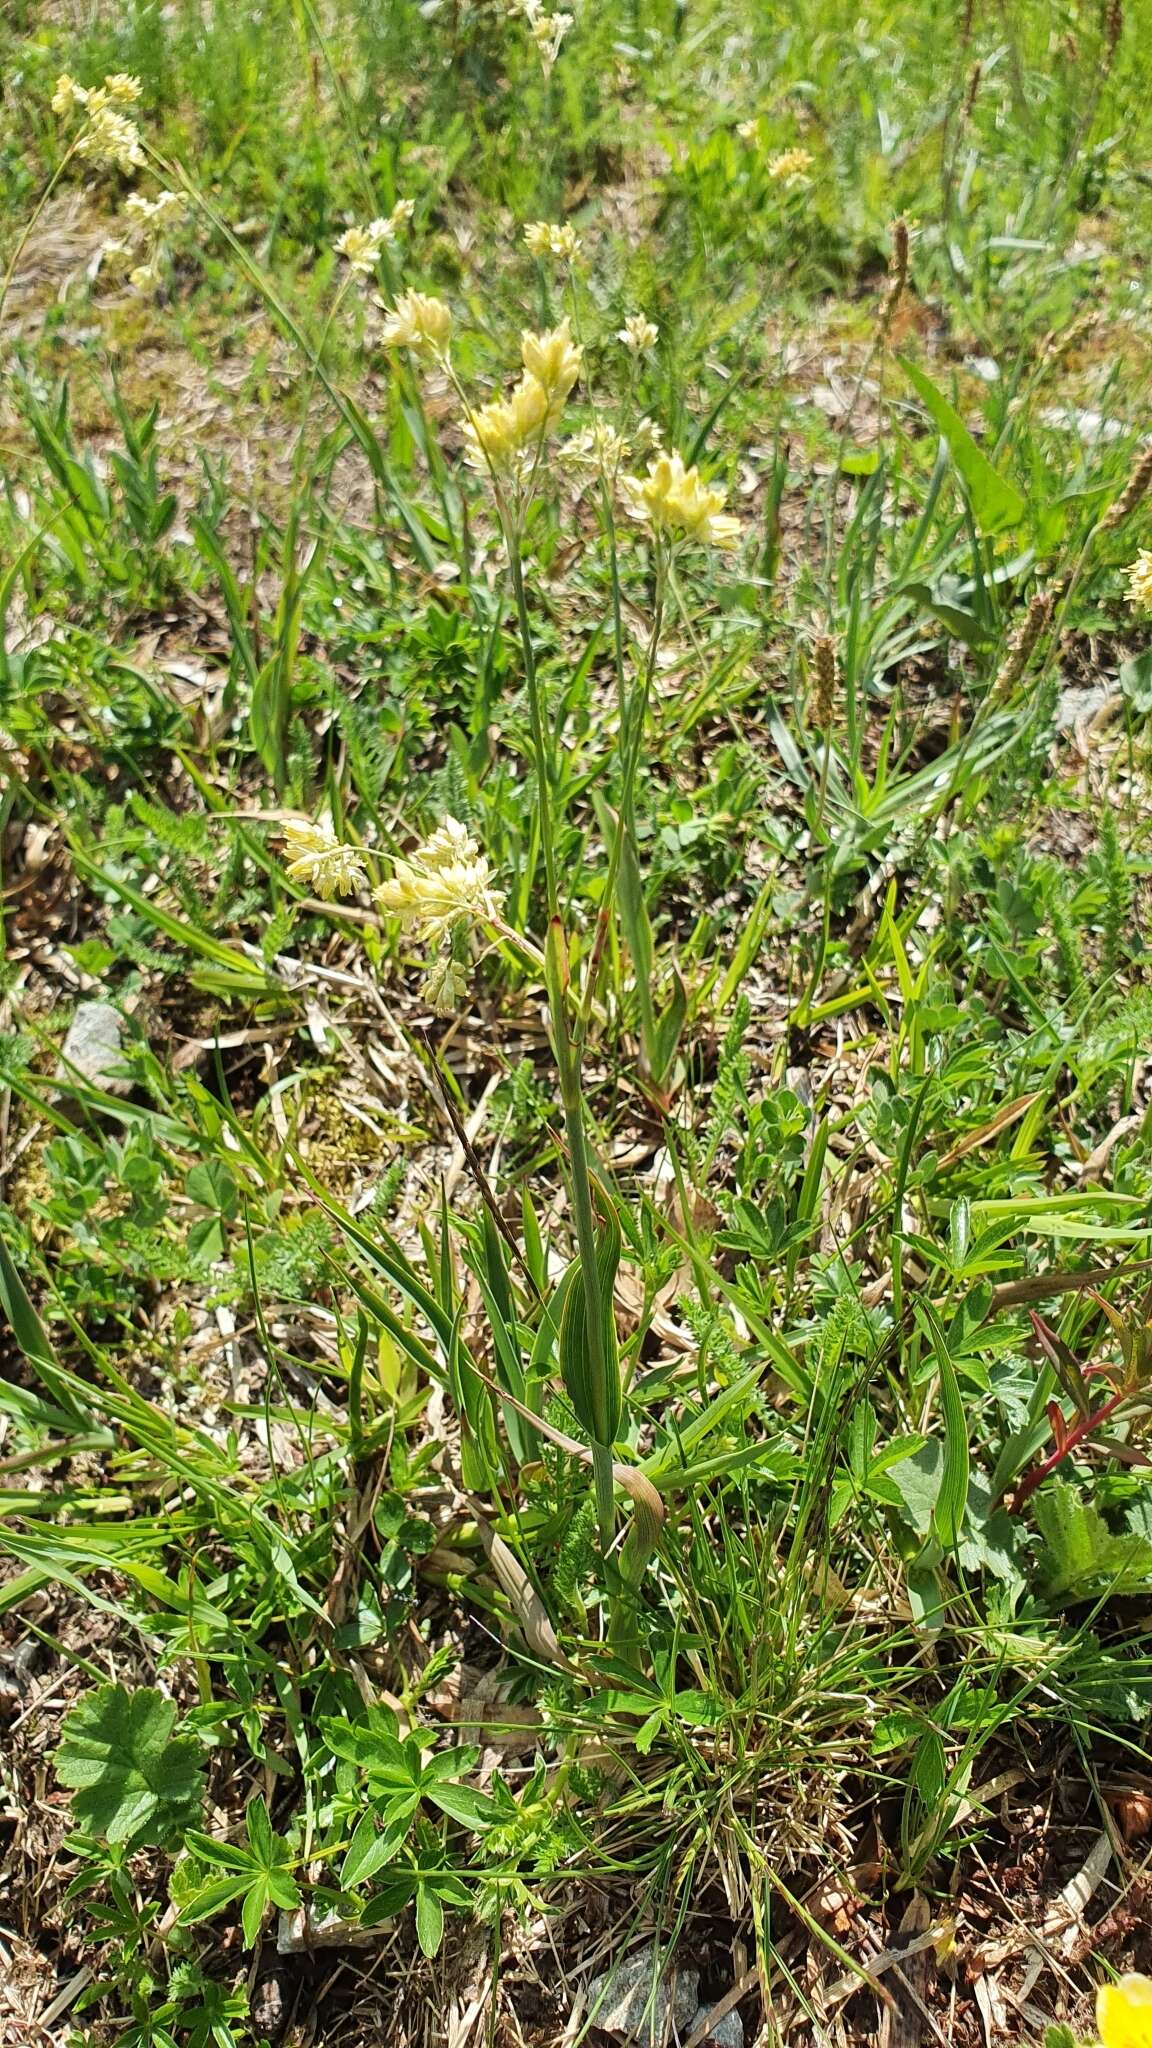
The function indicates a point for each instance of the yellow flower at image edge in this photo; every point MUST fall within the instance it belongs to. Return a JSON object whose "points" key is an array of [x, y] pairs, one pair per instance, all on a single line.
{"points": [[1140, 580], [1124, 2013], [315, 856], [672, 499]]}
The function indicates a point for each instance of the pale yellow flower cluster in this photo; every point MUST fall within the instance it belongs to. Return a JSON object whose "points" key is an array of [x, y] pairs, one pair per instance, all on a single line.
{"points": [[547, 32], [545, 238], [119, 89], [507, 432], [445, 886], [671, 499], [147, 220], [791, 167], [748, 131], [360, 247], [162, 212], [638, 333], [316, 856], [599, 448], [109, 137], [418, 322], [1140, 581]]}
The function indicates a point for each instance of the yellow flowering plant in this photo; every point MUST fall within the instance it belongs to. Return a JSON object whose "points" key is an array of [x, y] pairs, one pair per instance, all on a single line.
{"points": [[1124, 2012]]}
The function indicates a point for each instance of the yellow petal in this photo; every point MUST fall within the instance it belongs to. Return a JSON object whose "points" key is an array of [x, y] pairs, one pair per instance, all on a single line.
{"points": [[1124, 2013]]}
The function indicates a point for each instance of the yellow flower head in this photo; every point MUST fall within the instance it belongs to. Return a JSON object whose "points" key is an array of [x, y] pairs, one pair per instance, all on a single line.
{"points": [[553, 359], [314, 855], [165, 209], [598, 448], [545, 238], [1124, 2013], [110, 138], [1140, 580], [638, 333], [548, 32], [419, 322], [445, 885], [146, 277], [360, 247], [748, 130], [507, 433], [68, 95], [791, 167], [122, 89], [672, 499]]}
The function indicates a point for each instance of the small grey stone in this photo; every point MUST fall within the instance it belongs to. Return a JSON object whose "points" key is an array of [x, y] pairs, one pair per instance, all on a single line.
{"points": [[727, 2033], [622, 2000], [93, 1049]]}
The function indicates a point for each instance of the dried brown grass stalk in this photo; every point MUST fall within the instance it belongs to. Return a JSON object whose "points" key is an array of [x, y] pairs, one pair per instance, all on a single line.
{"points": [[897, 278], [1135, 489]]}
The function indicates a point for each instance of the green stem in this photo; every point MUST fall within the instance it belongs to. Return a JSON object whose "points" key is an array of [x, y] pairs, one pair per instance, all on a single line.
{"points": [[566, 1050], [632, 722]]}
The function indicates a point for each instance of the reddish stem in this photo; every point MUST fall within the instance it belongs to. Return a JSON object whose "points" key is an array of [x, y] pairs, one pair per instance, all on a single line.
{"points": [[1075, 1436]]}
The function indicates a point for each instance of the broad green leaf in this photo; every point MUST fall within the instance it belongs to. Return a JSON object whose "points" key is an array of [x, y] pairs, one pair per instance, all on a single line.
{"points": [[429, 1919], [133, 1779], [996, 503], [952, 1500], [460, 1802], [369, 1849]]}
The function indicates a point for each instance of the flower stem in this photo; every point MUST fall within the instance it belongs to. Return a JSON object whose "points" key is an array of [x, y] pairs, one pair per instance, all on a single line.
{"points": [[567, 1053]]}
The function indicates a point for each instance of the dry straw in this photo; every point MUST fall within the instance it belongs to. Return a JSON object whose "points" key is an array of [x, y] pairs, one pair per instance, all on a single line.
{"points": [[897, 279]]}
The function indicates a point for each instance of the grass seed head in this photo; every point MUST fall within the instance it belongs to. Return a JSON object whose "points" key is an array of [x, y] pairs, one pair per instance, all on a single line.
{"points": [[1135, 489], [315, 855], [1023, 641], [824, 679]]}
